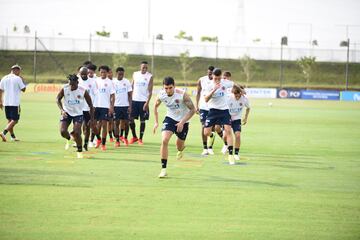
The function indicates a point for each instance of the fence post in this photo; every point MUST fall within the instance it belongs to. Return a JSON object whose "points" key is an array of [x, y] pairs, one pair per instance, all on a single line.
{"points": [[35, 53]]}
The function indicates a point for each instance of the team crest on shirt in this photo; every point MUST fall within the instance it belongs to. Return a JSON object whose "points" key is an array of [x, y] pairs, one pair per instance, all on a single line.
{"points": [[78, 96], [177, 101], [89, 86], [240, 104], [105, 84], [124, 84], [223, 88]]}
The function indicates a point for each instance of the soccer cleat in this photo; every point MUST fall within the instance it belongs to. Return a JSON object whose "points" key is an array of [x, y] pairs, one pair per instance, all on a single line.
{"points": [[111, 140], [231, 160], [98, 143], [179, 155], [91, 145], [237, 157], [14, 139], [163, 173], [117, 144], [86, 147], [140, 142], [126, 142], [133, 140], [67, 144], [210, 151], [79, 155], [122, 139], [205, 152], [3, 137], [224, 149], [103, 147], [212, 139]]}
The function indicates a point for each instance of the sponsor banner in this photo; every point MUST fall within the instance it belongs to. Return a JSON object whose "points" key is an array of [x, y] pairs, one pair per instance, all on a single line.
{"points": [[47, 88], [350, 96], [289, 93], [261, 92], [320, 95]]}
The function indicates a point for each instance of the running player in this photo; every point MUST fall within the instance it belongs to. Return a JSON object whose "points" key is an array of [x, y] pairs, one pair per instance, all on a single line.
{"points": [[91, 75], [11, 85], [237, 101], [123, 92], [179, 111], [142, 86], [104, 105], [111, 117], [72, 111], [217, 100], [227, 77]]}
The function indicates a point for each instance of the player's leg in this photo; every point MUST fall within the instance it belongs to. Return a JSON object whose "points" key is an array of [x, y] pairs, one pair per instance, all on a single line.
{"points": [[237, 144], [203, 114], [164, 151], [144, 115], [180, 141], [64, 125], [104, 124], [77, 123], [117, 126], [12, 115], [134, 115], [126, 130], [229, 138], [110, 127], [224, 138], [86, 128]]}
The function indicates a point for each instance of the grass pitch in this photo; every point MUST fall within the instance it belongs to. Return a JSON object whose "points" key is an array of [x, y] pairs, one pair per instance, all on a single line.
{"points": [[299, 178]]}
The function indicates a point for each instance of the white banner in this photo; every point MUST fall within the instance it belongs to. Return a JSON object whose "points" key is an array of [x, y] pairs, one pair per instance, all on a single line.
{"points": [[261, 92]]}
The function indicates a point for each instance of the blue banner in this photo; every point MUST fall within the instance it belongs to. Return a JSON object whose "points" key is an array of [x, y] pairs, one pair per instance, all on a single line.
{"points": [[320, 95], [350, 96], [289, 93]]}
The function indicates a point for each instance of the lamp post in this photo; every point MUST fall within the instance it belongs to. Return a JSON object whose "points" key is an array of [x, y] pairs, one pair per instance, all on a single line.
{"points": [[284, 41], [346, 44]]}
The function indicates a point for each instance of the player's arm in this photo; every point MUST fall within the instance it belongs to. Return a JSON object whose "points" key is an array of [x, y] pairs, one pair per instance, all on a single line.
{"points": [[59, 103], [89, 102], [130, 101], [112, 103], [189, 104], [216, 87], [156, 114], [198, 93], [150, 89], [22, 84], [1, 103], [244, 121]]}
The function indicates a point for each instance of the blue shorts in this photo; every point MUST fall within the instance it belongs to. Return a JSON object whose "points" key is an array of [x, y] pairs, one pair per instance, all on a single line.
{"points": [[236, 125], [87, 116], [101, 114], [203, 114], [77, 119], [218, 117], [137, 111], [12, 112], [121, 113], [169, 124]]}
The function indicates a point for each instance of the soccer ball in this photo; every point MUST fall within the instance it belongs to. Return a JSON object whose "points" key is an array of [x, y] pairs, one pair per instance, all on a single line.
{"points": [[270, 104]]}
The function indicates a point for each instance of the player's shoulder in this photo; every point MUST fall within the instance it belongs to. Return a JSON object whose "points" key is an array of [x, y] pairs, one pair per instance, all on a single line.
{"points": [[179, 91]]}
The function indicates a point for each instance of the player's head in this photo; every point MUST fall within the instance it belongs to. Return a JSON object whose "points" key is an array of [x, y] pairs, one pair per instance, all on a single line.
{"points": [[73, 81], [238, 90], [104, 71], [227, 75], [110, 74], [216, 74], [169, 85], [86, 63], [16, 69], [92, 69], [83, 72], [144, 67], [120, 71], [210, 71]]}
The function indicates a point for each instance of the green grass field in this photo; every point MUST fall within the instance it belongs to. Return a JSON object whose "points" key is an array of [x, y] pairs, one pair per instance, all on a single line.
{"points": [[299, 178]]}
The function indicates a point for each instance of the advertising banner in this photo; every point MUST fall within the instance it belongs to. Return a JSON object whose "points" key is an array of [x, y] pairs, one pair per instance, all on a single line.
{"points": [[289, 93], [320, 95], [350, 96], [261, 92]]}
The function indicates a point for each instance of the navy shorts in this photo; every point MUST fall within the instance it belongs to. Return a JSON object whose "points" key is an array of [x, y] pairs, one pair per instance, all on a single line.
{"points": [[102, 114], [12, 112], [121, 113], [236, 125], [203, 114], [169, 124], [218, 117], [77, 119], [137, 111], [87, 116]]}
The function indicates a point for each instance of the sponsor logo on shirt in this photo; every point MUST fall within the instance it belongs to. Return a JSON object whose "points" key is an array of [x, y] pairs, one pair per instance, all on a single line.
{"points": [[73, 102]]}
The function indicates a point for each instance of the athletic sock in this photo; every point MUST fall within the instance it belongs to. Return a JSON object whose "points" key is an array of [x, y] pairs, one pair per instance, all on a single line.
{"points": [[126, 131], [92, 137], [236, 151], [103, 141], [211, 135], [110, 134], [210, 147], [225, 142], [163, 163], [13, 135], [230, 148], [132, 127], [117, 138], [121, 132], [79, 148], [98, 136], [142, 129], [205, 145], [5, 132], [220, 134]]}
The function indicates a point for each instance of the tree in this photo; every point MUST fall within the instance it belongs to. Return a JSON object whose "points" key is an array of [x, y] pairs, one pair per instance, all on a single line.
{"points": [[248, 65], [182, 35], [119, 59], [307, 65], [209, 39], [185, 62], [103, 33]]}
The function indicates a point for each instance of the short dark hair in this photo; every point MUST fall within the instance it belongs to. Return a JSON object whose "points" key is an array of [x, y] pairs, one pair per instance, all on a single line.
{"points": [[217, 72], [91, 67], [104, 67], [87, 63], [72, 77], [120, 69], [169, 81], [211, 68], [227, 74], [144, 62]]}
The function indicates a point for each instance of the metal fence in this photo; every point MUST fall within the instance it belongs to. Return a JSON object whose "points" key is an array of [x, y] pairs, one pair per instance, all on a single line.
{"points": [[174, 48]]}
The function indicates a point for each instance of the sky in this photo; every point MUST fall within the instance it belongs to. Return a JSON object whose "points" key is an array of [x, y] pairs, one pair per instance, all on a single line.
{"points": [[233, 21]]}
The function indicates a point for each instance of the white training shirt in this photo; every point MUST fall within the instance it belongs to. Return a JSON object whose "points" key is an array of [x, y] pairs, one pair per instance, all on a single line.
{"points": [[122, 88], [141, 84], [74, 101], [205, 82], [91, 87], [105, 89], [12, 85], [219, 100], [176, 108], [236, 106]]}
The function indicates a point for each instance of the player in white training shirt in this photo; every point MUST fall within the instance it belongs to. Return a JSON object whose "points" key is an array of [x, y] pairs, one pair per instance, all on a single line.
{"points": [[227, 77], [179, 111], [123, 99], [237, 101], [72, 111], [111, 117], [92, 77], [11, 85], [142, 86]]}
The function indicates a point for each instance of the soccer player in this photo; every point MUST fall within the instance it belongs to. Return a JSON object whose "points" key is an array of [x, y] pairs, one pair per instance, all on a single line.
{"points": [[11, 85], [111, 117], [72, 111], [179, 111], [90, 86], [237, 101], [142, 86], [227, 77], [217, 100], [202, 107], [91, 75], [123, 95], [104, 105]]}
